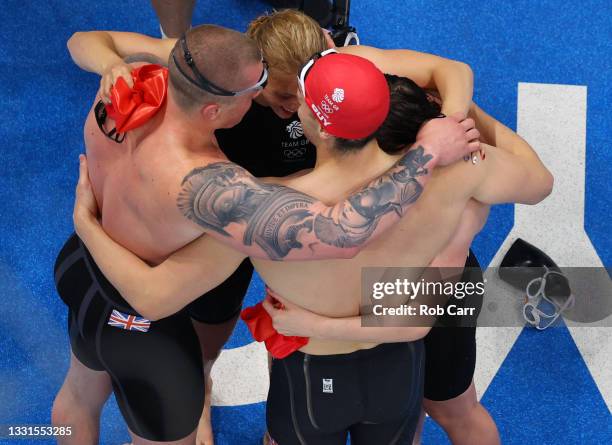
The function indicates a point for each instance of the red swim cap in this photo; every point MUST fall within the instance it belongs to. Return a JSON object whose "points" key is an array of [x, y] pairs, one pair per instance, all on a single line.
{"points": [[347, 94]]}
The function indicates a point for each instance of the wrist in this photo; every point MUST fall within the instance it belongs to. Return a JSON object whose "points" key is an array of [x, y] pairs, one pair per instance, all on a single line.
{"points": [[84, 223], [320, 328], [110, 61], [459, 110]]}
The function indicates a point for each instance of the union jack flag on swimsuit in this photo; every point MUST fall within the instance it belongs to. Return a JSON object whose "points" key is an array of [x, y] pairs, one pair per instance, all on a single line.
{"points": [[129, 322]]}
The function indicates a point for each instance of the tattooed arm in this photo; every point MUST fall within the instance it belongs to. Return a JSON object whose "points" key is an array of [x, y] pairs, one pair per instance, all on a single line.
{"points": [[275, 222]]}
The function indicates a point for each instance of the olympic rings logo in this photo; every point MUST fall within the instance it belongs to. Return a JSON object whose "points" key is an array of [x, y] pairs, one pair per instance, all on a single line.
{"points": [[294, 153]]}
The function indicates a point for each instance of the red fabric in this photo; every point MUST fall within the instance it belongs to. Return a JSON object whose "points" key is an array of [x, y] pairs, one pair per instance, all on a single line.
{"points": [[259, 323], [132, 107]]}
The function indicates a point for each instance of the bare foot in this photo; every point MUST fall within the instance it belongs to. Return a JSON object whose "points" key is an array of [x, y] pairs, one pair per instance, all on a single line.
{"points": [[205, 433]]}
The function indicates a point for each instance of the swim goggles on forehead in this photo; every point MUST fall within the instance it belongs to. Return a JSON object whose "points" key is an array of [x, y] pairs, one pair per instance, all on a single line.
{"points": [[308, 66], [536, 294], [203, 83]]}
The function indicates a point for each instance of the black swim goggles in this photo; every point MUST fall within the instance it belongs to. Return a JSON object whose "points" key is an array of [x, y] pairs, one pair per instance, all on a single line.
{"points": [[204, 84], [100, 114]]}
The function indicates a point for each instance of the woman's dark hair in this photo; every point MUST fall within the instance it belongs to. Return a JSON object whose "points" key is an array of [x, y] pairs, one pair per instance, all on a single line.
{"points": [[410, 108]]}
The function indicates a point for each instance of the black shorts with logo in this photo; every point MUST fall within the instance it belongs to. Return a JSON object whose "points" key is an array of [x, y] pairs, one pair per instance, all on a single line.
{"points": [[373, 394], [157, 376]]}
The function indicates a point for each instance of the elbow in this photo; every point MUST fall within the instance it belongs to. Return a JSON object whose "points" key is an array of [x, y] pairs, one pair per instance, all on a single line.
{"points": [[350, 252], [149, 308], [548, 184], [74, 40], [149, 312], [466, 69], [152, 315], [543, 188]]}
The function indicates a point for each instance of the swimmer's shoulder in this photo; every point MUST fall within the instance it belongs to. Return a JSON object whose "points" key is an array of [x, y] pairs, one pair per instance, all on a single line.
{"points": [[460, 179], [357, 50]]}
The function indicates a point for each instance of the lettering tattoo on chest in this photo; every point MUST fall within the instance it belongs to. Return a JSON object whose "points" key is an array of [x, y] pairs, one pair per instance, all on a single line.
{"points": [[279, 219]]}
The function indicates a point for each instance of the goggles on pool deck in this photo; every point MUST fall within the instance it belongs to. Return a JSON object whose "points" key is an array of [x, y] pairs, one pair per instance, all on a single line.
{"points": [[536, 299], [204, 84]]}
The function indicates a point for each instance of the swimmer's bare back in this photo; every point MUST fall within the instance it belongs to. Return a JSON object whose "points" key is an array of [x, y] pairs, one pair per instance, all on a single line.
{"points": [[137, 183], [333, 287], [444, 221]]}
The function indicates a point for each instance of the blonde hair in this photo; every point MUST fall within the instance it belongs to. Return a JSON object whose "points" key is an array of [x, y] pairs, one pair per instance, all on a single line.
{"points": [[287, 38]]}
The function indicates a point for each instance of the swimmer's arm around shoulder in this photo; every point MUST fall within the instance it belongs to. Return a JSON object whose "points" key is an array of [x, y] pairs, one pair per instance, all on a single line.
{"points": [[505, 177], [511, 172], [270, 221], [454, 80], [95, 51]]}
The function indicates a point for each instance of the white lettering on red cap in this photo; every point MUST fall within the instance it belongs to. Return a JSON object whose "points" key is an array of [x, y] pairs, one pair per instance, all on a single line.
{"points": [[320, 115], [328, 105]]}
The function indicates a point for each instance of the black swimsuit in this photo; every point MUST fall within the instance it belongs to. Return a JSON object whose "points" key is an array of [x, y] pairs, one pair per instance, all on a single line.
{"points": [[450, 346], [373, 394], [157, 375]]}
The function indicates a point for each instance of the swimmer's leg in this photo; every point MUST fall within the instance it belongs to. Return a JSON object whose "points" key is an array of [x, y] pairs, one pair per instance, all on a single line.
{"points": [[174, 16], [214, 317], [464, 419], [212, 338], [79, 403]]}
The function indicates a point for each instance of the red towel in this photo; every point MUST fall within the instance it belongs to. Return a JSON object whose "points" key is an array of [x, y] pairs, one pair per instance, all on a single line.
{"points": [[132, 107], [259, 323]]}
